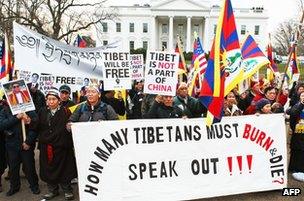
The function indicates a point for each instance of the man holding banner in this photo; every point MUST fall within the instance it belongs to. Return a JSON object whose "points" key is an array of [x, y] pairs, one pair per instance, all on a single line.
{"points": [[20, 150]]}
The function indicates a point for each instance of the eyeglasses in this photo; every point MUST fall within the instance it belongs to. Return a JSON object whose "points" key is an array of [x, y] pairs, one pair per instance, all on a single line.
{"points": [[16, 86]]}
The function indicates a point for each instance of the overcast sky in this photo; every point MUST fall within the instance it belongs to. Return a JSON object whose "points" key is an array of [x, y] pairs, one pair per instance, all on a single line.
{"points": [[278, 10]]}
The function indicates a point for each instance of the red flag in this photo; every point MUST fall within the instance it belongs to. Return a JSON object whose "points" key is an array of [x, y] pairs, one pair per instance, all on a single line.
{"points": [[6, 60]]}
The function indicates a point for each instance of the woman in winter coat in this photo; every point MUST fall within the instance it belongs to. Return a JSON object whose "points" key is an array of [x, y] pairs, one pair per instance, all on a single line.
{"points": [[230, 105], [57, 161]]}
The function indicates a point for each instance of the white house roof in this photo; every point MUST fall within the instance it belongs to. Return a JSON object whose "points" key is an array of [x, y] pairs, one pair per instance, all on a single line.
{"points": [[180, 5]]}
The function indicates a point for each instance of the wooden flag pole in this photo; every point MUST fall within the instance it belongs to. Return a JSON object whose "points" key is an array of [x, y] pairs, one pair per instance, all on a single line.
{"points": [[23, 130], [290, 54]]}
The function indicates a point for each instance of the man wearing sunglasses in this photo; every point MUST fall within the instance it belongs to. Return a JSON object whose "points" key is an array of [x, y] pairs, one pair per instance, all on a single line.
{"points": [[18, 96]]}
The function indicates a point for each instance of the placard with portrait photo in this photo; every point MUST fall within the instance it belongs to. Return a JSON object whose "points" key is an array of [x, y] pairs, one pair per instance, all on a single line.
{"points": [[18, 96]]}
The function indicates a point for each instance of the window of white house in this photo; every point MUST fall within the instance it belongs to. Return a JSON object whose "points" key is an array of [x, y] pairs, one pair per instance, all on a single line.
{"points": [[145, 45], [164, 28], [118, 27], [104, 27], [256, 29], [180, 29], [164, 45], [243, 29], [131, 27], [196, 28], [131, 45], [145, 27], [105, 42]]}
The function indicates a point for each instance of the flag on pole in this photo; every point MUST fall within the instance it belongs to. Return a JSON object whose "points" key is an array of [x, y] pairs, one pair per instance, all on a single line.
{"points": [[80, 42], [182, 64], [253, 57], [293, 72], [225, 55], [272, 65], [6, 61], [199, 63]]}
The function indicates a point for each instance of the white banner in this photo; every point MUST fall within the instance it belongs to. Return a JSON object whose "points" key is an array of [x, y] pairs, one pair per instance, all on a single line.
{"points": [[180, 159], [36, 53], [116, 70], [161, 73], [137, 66]]}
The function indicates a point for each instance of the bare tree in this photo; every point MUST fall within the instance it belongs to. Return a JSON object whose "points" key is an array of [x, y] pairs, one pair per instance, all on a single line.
{"points": [[285, 34], [58, 19]]}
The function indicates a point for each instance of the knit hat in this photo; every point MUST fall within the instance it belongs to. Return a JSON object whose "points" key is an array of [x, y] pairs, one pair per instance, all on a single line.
{"points": [[261, 103], [53, 92], [93, 87], [65, 88]]}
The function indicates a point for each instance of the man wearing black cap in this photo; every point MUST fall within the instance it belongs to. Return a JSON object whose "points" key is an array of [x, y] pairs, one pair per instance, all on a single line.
{"points": [[65, 92]]}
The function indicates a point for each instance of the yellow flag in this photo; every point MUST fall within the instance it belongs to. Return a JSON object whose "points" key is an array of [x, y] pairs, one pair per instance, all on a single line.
{"points": [[123, 94], [73, 108]]}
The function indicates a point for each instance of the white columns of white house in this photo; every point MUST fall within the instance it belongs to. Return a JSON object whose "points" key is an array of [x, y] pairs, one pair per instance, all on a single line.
{"points": [[207, 32], [188, 48], [153, 43], [170, 45]]}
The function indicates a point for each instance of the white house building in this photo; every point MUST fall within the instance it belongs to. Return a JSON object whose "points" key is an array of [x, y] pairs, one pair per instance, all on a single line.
{"points": [[155, 26]]}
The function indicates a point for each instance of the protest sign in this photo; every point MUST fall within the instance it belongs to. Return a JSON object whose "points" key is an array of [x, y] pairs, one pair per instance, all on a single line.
{"points": [[116, 70], [180, 159], [36, 53], [137, 66], [46, 81], [161, 73], [18, 96]]}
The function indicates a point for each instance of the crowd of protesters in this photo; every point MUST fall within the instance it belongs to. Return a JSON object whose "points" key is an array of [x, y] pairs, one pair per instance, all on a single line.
{"points": [[50, 125]]}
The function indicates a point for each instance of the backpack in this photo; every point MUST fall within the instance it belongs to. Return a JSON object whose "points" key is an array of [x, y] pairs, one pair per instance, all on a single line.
{"points": [[102, 107]]}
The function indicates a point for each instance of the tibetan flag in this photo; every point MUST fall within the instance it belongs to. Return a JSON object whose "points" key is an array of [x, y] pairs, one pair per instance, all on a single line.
{"points": [[272, 65], [253, 57], [227, 48], [6, 61], [225, 60], [182, 64], [80, 42], [293, 72]]}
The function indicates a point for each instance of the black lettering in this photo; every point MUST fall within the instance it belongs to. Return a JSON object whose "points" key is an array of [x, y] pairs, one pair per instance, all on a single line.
{"points": [[214, 161], [95, 167], [93, 179], [197, 131], [171, 167], [101, 154], [130, 168], [188, 132], [236, 129], [178, 135], [108, 146], [210, 132], [91, 190], [169, 128], [195, 167], [159, 134], [152, 169], [136, 133], [227, 130], [142, 169]]}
